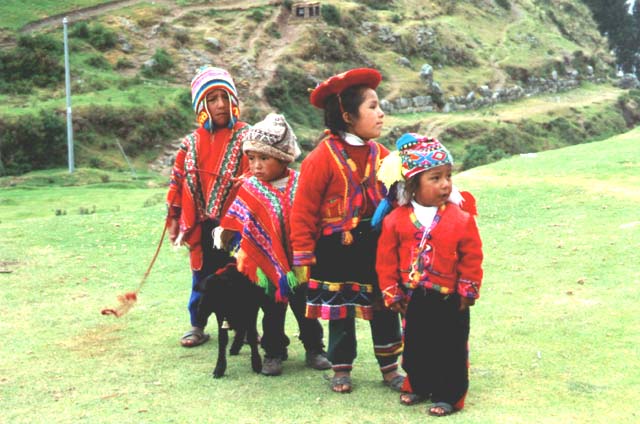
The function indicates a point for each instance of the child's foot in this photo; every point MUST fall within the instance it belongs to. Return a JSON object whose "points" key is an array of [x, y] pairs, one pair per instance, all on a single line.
{"points": [[317, 360], [194, 337], [440, 409], [341, 382], [408, 399], [272, 366], [394, 380]]}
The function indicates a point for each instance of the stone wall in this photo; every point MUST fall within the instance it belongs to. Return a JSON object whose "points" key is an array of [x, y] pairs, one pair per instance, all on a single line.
{"points": [[435, 100]]}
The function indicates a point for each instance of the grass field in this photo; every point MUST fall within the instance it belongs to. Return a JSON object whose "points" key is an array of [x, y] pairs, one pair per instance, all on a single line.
{"points": [[16, 13], [554, 336]]}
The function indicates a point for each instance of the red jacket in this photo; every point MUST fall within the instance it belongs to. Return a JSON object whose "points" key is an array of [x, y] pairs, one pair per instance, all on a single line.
{"points": [[453, 262], [330, 197], [202, 184]]}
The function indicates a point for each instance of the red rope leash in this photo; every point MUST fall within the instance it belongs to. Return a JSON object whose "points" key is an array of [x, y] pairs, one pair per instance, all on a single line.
{"points": [[127, 301]]}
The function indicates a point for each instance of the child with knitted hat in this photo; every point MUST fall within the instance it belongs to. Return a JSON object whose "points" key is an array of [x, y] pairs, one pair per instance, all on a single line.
{"points": [[260, 214], [203, 181], [429, 265], [334, 246]]}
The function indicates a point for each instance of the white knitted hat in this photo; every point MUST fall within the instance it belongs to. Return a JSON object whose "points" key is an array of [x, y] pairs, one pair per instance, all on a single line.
{"points": [[272, 136]]}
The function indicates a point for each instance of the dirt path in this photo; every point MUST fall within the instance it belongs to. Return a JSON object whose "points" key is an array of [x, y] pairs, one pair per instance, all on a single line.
{"points": [[268, 58], [100, 9], [499, 76]]}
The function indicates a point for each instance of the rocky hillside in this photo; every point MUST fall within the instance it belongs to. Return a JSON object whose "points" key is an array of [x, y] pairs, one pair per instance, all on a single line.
{"points": [[435, 56]]}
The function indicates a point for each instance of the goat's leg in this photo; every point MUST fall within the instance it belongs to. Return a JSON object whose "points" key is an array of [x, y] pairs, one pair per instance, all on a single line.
{"points": [[238, 341], [223, 340], [252, 336]]}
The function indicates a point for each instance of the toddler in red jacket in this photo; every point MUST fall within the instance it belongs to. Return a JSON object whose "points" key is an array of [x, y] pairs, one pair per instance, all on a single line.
{"points": [[429, 265]]}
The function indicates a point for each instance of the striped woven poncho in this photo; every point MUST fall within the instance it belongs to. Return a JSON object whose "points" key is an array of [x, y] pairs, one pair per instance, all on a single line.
{"points": [[260, 213]]}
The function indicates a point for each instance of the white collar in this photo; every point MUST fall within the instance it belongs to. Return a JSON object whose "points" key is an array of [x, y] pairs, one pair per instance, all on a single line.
{"points": [[280, 183], [425, 214], [352, 139]]}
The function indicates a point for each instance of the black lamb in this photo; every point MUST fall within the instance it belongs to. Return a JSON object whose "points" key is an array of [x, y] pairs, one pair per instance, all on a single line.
{"points": [[233, 298]]}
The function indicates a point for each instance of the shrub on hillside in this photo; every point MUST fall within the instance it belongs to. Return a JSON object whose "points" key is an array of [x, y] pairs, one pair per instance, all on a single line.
{"points": [[378, 4], [479, 154], [124, 63], [427, 43], [80, 30], [505, 4], [257, 15], [288, 92], [330, 14], [98, 61], [99, 36], [567, 131], [32, 142], [35, 61], [181, 37], [629, 105], [161, 64], [272, 30], [333, 46]]}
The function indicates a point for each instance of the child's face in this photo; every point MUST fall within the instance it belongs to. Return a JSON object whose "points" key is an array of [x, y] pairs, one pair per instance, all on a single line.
{"points": [[368, 124], [218, 105], [265, 167], [434, 186]]}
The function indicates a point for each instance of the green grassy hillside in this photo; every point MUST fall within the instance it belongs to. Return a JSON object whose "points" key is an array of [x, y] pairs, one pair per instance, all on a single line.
{"points": [[275, 59], [553, 337]]}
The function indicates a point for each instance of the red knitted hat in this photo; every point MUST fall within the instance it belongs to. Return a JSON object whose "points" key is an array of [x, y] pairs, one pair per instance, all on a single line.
{"points": [[338, 83]]}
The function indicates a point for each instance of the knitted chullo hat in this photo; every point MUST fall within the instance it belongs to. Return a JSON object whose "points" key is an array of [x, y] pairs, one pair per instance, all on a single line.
{"points": [[272, 136], [420, 153], [416, 153], [207, 79]]}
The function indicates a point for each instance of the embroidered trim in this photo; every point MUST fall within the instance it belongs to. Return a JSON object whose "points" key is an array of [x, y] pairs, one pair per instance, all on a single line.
{"points": [[355, 186], [340, 286]]}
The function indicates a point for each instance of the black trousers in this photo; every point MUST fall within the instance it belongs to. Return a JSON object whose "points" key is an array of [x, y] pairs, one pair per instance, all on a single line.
{"points": [[274, 340], [436, 354]]}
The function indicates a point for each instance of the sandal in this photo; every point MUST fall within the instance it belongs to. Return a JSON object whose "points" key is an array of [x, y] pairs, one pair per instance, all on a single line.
{"points": [[444, 409], [344, 380], [395, 383], [408, 399], [193, 338]]}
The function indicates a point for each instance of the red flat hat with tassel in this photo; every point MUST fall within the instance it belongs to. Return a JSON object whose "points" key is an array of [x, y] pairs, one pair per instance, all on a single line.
{"points": [[338, 83]]}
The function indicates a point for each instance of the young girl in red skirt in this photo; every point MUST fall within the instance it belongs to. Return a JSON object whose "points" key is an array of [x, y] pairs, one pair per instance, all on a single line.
{"points": [[334, 246], [429, 264]]}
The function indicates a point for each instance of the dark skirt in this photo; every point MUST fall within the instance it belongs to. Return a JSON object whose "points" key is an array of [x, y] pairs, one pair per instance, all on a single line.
{"points": [[343, 282]]}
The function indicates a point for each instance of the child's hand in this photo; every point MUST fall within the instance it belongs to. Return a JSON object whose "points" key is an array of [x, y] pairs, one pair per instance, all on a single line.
{"points": [[173, 228], [466, 302], [399, 306]]}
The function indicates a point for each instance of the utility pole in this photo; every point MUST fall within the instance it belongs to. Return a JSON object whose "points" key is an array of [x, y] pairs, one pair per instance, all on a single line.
{"points": [[67, 81]]}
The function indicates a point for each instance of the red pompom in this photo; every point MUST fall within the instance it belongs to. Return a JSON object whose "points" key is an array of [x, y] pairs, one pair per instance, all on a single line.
{"points": [[469, 203], [131, 296]]}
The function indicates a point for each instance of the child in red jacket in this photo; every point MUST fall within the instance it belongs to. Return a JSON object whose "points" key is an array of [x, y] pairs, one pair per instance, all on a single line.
{"points": [[429, 265], [334, 246], [260, 216]]}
